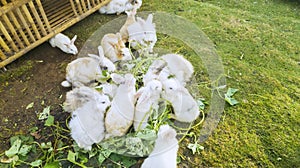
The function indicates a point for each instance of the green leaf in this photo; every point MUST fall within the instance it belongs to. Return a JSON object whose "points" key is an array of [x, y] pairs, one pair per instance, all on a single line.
{"points": [[103, 155], [228, 96], [124, 160], [44, 115], [147, 134], [24, 150], [30, 105], [49, 121], [231, 92], [231, 100], [52, 165], [14, 149], [46, 145], [36, 163], [201, 105], [195, 148], [71, 156]]}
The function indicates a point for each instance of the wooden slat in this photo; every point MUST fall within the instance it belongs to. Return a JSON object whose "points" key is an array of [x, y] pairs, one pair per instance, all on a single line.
{"points": [[7, 36], [93, 3], [18, 27], [24, 22], [13, 31], [43, 15], [3, 2], [28, 16], [69, 20], [60, 13], [37, 18], [79, 6], [12, 6], [89, 5], [4, 45], [2, 56], [73, 7], [83, 6]]}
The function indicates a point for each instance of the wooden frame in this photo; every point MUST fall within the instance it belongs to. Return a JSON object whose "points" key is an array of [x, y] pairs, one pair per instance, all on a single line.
{"points": [[25, 24]]}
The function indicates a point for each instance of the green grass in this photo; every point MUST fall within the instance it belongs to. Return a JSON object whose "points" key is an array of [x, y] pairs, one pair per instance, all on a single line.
{"points": [[259, 43]]}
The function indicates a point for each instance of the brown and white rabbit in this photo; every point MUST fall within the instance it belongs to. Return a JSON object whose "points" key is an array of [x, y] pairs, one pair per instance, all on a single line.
{"points": [[129, 21], [64, 43], [114, 48], [120, 116]]}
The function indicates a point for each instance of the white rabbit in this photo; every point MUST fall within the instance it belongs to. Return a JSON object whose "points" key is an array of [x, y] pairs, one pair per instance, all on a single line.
{"points": [[185, 107], [64, 43], [79, 96], [105, 63], [83, 71], [120, 116], [142, 34], [179, 66], [87, 122], [119, 6], [114, 48], [165, 150], [148, 97], [154, 71], [129, 21]]}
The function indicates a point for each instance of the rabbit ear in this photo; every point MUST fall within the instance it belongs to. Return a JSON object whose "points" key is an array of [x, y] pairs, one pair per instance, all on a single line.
{"points": [[140, 20], [139, 92], [73, 39], [149, 19], [100, 51], [117, 78]]}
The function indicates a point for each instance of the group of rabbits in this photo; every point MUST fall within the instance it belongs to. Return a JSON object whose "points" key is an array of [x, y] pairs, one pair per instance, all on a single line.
{"points": [[104, 106]]}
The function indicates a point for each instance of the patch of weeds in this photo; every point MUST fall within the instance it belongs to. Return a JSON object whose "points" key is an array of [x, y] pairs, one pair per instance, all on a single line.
{"points": [[16, 72]]}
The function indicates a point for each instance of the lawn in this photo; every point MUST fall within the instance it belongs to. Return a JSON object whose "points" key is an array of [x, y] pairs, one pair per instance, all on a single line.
{"points": [[259, 44]]}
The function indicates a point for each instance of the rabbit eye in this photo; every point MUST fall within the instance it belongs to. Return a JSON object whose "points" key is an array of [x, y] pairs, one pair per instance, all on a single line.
{"points": [[105, 68], [170, 88], [103, 102]]}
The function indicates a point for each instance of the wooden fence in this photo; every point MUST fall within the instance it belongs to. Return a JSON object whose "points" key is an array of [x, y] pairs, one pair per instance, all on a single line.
{"points": [[25, 24]]}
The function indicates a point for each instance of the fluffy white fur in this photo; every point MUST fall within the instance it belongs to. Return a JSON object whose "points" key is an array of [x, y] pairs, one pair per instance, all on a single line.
{"points": [[64, 43], [179, 66], [164, 154], [87, 123], [185, 106], [83, 71], [142, 34], [79, 96], [120, 116], [154, 71], [148, 97]]}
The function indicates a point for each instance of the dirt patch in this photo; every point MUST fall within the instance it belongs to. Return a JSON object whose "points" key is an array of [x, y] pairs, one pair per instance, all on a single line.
{"points": [[35, 77]]}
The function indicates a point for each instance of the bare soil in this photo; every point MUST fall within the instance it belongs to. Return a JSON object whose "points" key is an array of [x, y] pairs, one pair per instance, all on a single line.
{"points": [[35, 77]]}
